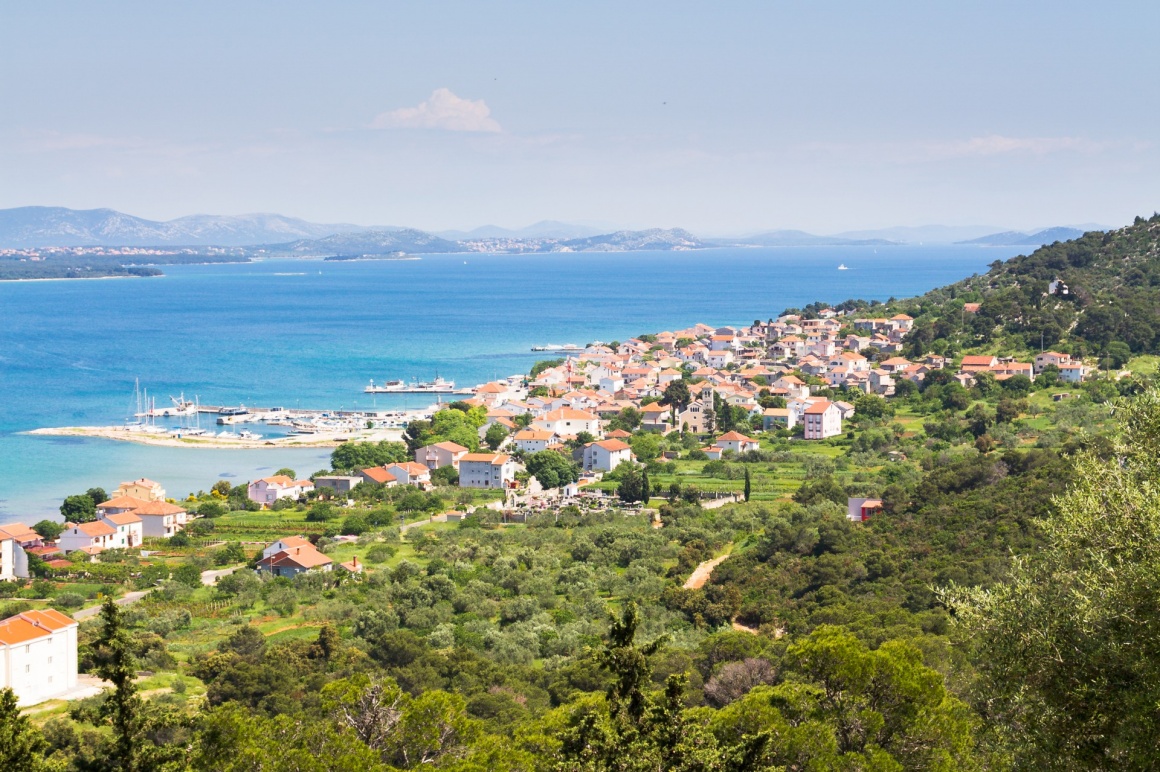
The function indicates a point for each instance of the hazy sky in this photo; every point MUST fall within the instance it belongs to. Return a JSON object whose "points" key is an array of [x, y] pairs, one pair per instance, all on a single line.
{"points": [[719, 117]]}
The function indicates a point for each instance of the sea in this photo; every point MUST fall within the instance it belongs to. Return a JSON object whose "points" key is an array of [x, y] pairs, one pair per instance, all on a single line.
{"points": [[313, 333]]}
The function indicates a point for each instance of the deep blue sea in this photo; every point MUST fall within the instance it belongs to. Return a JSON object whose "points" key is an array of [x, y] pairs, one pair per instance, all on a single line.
{"points": [[312, 333]]}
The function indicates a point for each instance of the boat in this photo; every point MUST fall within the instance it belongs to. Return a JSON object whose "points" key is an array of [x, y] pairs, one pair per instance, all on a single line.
{"points": [[437, 386], [842, 267], [246, 434], [243, 410], [554, 347]]}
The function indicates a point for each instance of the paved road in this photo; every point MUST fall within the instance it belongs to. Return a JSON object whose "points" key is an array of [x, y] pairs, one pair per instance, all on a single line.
{"points": [[207, 578]]}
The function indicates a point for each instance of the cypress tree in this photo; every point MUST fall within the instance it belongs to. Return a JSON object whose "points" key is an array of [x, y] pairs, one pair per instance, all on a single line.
{"points": [[645, 488], [21, 745], [747, 489]]}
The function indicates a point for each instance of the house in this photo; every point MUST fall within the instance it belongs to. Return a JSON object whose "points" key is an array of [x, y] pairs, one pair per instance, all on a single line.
{"points": [[486, 470], [410, 473], [8, 553], [440, 454], [142, 488], [129, 530], [656, 417], [534, 440], [696, 415], [975, 364], [1051, 358], [794, 386], [859, 510], [377, 475], [822, 419], [1072, 372], [161, 519], [285, 543], [773, 418], [290, 561], [606, 455], [567, 421], [737, 442], [340, 484], [269, 489], [352, 566], [119, 505], [91, 537], [845, 410], [38, 655], [719, 359]]}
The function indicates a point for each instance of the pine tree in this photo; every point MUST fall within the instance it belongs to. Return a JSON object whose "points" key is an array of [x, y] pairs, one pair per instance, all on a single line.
{"points": [[116, 664], [21, 745]]}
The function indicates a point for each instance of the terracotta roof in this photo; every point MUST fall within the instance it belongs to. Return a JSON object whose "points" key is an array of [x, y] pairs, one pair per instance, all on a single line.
{"points": [[613, 445], [378, 474], [95, 528], [305, 556], [534, 435], [158, 508], [410, 467], [451, 447], [818, 407], [293, 541], [125, 518], [32, 625], [280, 480], [735, 437], [495, 459], [978, 360], [18, 531], [618, 434], [122, 502], [144, 482], [567, 414]]}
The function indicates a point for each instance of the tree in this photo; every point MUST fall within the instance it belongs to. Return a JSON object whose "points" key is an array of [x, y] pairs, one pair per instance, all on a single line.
{"points": [[551, 469], [496, 434], [747, 484], [631, 487], [676, 394], [98, 495], [1068, 650], [49, 529], [286, 471], [21, 745], [115, 663], [645, 487], [645, 446], [79, 509]]}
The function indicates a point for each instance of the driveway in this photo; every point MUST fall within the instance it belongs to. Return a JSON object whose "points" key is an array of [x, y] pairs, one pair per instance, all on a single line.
{"points": [[208, 578]]}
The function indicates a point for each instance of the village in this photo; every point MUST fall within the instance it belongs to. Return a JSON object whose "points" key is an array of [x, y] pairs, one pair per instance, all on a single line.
{"points": [[712, 394]]}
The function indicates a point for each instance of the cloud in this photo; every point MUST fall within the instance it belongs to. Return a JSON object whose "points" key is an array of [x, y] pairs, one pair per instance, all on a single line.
{"points": [[996, 144], [443, 110]]}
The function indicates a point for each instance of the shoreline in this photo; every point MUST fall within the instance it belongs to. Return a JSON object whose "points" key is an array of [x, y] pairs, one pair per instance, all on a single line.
{"points": [[120, 434]]}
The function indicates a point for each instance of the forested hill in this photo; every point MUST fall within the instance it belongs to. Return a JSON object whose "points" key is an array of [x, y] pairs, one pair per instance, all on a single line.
{"points": [[1109, 294]]}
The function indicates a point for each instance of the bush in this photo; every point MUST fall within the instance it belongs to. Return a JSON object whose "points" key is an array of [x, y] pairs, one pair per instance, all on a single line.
{"points": [[69, 600], [381, 553]]}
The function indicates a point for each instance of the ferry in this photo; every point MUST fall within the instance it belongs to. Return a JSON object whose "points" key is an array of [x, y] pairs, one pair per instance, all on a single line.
{"points": [[437, 386]]}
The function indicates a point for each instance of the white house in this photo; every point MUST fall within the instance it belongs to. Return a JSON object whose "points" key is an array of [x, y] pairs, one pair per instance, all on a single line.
{"points": [[142, 488], [486, 470], [296, 556], [38, 655], [90, 537], [737, 442], [269, 489], [859, 510], [14, 538], [1051, 358], [8, 549], [606, 455], [129, 530], [1072, 372], [161, 519], [410, 473], [440, 454], [567, 421], [534, 440], [822, 419]]}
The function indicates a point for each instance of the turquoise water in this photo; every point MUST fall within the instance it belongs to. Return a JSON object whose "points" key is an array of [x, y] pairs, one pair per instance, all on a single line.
{"points": [[312, 333]]}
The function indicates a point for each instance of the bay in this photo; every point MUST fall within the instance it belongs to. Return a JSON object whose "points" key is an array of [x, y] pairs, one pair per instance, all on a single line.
{"points": [[311, 333]]}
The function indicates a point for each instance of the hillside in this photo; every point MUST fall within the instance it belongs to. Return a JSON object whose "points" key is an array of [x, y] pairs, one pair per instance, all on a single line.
{"points": [[1109, 293], [625, 241], [379, 242], [1019, 238]]}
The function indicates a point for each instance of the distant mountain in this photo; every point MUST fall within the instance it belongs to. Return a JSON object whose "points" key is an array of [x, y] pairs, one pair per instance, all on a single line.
{"points": [[1019, 238], [922, 234], [545, 229], [51, 226], [378, 242], [792, 238], [631, 241]]}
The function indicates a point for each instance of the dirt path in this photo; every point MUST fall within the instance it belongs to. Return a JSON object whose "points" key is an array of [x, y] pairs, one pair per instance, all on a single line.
{"points": [[702, 573]]}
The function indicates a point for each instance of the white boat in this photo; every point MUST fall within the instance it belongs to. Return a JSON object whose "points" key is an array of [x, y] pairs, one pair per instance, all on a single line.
{"points": [[227, 435], [437, 386], [842, 267], [246, 434]]}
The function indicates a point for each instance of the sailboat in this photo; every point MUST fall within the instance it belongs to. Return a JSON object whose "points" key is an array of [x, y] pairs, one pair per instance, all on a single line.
{"points": [[842, 267]]}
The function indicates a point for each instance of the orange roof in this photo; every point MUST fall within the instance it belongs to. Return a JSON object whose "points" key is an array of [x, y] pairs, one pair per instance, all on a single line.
{"points": [[32, 625], [18, 531], [294, 541], [654, 407], [533, 435], [612, 446], [618, 434], [567, 414], [378, 474], [411, 468], [305, 556], [122, 502], [896, 361], [818, 407], [735, 437], [495, 459], [95, 528], [279, 480], [156, 508], [902, 318], [491, 388], [451, 447], [985, 361], [125, 518]]}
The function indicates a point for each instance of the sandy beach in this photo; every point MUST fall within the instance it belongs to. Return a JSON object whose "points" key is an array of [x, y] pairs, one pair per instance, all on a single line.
{"points": [[319, 440]]}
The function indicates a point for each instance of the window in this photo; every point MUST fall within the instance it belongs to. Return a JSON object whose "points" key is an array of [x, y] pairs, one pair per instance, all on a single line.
{"points": [[28, 668]]}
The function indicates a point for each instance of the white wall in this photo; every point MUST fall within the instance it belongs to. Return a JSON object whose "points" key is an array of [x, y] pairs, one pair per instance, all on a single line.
{"points": [[42, 668]]}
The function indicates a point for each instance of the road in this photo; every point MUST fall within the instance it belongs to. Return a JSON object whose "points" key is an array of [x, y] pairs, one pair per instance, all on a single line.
{"points": [[208, 578], [702, 573]]}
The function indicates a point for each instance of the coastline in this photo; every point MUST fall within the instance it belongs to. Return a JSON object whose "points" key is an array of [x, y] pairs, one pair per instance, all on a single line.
{"points": [[88, 278], [121, 434]]}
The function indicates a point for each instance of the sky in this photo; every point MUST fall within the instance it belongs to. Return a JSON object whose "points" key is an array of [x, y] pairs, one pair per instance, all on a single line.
{"points": [[723, 118]]}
